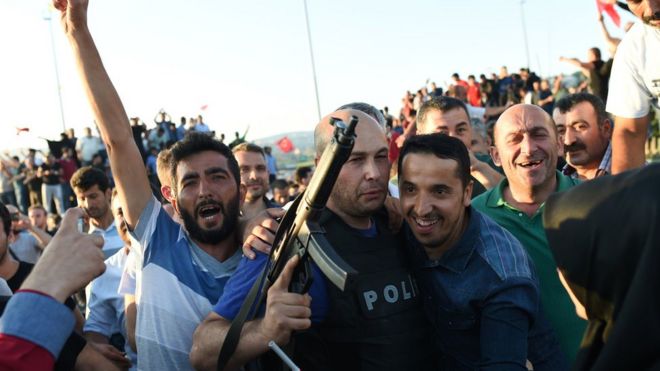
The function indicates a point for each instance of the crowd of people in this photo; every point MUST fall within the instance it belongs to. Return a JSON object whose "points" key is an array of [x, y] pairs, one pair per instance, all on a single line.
{"points": [[484, 223]]}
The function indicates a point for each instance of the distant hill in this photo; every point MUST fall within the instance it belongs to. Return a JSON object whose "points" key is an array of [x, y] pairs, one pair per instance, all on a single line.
{"points": [[303, 144]]}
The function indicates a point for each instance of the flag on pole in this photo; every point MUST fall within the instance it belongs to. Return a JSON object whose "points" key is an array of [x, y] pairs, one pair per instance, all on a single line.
{"points": [[20, 130], [285, 145], [608, 7]]}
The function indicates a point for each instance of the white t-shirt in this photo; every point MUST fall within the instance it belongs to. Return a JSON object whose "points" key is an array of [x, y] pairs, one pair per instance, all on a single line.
{"points": [[476, 112], [88, 147], [635, 77], [105, 307]]}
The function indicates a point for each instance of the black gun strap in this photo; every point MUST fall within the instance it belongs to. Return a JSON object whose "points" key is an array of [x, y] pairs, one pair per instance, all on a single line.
{"points": [[253, 300]]}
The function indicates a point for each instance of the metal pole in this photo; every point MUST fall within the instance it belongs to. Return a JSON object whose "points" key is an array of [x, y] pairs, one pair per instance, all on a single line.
{"points": [[57, 73], [524, 27], [311, 53]]}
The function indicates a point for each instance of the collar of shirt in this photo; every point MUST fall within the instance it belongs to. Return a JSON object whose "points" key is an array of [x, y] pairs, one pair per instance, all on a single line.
{"points": [[604, 168], [457, 257], [496, 197], [101, 231]]}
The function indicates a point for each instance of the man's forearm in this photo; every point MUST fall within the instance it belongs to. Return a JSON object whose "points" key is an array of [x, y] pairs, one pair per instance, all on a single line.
{"points": [[209, 338], [130, 174], [486, 175], [628, 143], [43, 238]]}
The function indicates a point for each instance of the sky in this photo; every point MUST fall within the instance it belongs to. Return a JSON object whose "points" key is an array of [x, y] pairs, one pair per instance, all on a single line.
{"points": [[249, 61]]}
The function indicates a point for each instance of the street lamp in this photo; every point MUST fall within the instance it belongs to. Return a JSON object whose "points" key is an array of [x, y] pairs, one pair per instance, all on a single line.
{"points": [[48, 18], [524, 27], [311, 53]]}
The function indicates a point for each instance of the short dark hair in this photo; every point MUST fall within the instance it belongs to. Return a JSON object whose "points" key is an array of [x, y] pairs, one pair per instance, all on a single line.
{"points": [[442, 104], [196, 142], [302, 172], [366, 108], [249, 147], [442, 146], [279, 184], [6, 218], [567, 103], [596, 52], [87, 177]]}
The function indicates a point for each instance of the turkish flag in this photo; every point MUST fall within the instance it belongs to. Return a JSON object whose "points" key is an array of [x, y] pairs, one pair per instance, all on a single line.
{"points": [[20, 130], [285, 145], [608, 7]]}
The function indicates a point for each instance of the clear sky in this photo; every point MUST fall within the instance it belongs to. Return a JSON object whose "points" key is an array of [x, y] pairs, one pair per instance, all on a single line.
{"points": [[249, 60]]}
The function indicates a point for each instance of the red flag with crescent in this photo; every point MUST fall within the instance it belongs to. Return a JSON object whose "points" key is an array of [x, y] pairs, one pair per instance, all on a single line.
{"points": [[285, 145], [607, 6]]}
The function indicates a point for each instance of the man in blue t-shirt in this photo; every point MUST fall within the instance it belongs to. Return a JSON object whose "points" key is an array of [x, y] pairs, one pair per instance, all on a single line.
{"points": [[181, 270]]}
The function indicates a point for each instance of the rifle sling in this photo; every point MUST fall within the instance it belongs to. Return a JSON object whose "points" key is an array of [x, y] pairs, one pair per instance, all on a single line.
{"points": [[244, 314]]}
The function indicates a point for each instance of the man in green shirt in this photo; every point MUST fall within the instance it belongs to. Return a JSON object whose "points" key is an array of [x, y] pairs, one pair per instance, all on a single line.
{"points": [[526, 146]]}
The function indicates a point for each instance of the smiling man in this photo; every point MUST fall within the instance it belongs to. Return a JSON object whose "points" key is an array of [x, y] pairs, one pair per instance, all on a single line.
{"points": [[181, 271], [586, 135], [479, 285], [254, 176], [526, 146]]}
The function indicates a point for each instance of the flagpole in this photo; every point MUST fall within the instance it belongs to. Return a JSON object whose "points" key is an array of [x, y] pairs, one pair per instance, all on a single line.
{"points": [[524, 27], [57, 73], [311, 53]]}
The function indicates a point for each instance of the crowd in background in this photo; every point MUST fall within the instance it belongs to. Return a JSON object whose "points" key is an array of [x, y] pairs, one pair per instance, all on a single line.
{"points": [[560, 124]]}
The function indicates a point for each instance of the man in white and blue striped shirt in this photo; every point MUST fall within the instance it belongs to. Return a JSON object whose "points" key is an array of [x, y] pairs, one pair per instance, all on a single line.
{"points": [[181, 270]]}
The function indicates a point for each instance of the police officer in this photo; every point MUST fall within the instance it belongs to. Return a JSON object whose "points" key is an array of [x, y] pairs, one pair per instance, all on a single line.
{"points": [[377, 323]]}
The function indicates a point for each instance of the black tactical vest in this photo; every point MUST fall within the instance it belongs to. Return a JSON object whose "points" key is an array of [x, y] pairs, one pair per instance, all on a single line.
{"points": [[378, 322]]}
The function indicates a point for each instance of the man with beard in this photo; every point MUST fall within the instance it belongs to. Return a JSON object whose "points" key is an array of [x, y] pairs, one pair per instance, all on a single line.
{"points": [[92, 189], [526, 146], [635, 86], [182, 271], [587, 133], [377, 323], [254, 176]]}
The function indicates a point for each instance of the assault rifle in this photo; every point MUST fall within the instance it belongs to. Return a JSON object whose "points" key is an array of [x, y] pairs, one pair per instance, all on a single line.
{"points": [[300, 234]]}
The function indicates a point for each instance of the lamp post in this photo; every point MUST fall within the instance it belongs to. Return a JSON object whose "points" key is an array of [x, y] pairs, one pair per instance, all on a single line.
{"points": [[48, 18], [311, 53], [524, 28]]}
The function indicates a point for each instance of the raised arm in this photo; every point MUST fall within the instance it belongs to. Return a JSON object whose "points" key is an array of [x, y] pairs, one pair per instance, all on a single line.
{"points": [[584, 67], [125, 160], [612, 42]]}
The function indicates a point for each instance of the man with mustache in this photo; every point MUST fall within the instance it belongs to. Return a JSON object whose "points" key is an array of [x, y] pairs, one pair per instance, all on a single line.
{"points": [[254, 176], [587, 132], [377, 323], [526, 146], [93, 193], [635, 86], [479, 285], [182, 270]]}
